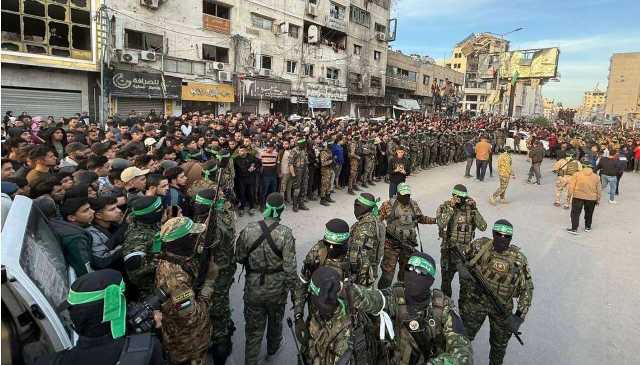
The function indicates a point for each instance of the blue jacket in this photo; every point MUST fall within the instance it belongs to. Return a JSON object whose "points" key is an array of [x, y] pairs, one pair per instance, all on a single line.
{"points": [[338, 153]]}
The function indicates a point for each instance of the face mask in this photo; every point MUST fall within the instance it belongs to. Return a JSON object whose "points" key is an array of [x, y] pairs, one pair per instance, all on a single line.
{"points": [[326, 303], [336, 251], [359, 210], [183, 246], [500, 242], [461, 202], [416, 288], [151, 218], [404, 199]]}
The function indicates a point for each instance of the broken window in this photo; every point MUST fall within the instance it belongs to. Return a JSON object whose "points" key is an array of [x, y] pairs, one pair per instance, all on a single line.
{"points": [[213, 53], [32, 48], [79, 3], [60, 52], [57, 12], [11, 5], [10, 27], [215, 9], [80, 16], [376, 82], [63, 2], [58, 34], [81, 37], [142, 41], [32, 7], [34, 29]]}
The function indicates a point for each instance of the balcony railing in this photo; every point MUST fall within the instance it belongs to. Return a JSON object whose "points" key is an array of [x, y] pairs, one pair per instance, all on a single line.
{"points": [[220, 25]]}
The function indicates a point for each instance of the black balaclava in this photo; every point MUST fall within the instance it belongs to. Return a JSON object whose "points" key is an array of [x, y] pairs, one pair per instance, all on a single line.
{"points": [[418, 278], [502, 235], [336, 237], [151, 206], [87, 318], [324, 287], [184, 246], [460, 191], [360, 209]]}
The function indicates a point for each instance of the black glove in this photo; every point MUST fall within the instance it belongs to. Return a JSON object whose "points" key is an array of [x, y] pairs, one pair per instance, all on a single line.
{"points": [[301, 329], [463, 272], [515, 321]]}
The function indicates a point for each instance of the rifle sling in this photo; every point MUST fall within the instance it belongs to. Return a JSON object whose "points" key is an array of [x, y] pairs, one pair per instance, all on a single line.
{"points": [[266, 234]]}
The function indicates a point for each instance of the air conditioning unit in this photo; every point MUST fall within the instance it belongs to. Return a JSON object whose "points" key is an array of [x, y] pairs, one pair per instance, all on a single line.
{"points": [[129, 57], [151, 4], [312, 9], [215, 66], [381, 36], [265, 72], [224, 76], [147, 56], [282, 28]]}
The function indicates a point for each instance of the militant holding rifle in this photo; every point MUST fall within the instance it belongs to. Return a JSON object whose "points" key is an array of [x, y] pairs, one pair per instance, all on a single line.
{"points": [[480, 283]]}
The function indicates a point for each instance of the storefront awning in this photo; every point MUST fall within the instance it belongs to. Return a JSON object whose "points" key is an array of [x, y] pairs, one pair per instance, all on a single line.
{"points": [[409, 104]]}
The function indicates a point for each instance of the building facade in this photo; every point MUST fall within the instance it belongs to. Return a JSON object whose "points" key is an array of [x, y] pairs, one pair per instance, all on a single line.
{"points": [[592, 105], [623, 89], [50, 57], [413, 82]]}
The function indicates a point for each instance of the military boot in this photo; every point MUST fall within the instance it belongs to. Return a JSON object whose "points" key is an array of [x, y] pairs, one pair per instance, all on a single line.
{"points": [[323, 201], [372, 183], [328, 198], [350, 191], [302, 206], [364, 184], [295, 205], [356, 188]]}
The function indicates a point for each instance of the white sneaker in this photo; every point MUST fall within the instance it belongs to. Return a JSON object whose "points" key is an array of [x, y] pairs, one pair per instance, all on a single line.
{"points": [[612, 202]]}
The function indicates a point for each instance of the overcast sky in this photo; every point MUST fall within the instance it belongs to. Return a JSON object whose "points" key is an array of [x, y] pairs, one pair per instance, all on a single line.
{"points": [[587, 33]]}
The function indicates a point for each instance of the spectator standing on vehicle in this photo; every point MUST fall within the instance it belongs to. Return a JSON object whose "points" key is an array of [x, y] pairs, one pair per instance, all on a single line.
{"points": [[536, 155], [609, 167], [584, 189], [483, 149]]}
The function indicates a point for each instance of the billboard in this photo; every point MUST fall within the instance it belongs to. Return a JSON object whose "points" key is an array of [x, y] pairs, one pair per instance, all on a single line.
{"points": [[530, 63]]}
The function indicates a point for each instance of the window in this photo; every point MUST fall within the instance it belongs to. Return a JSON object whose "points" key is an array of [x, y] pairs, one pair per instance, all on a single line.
{"points": [[425, 79], [142, 41], [332, 73], [292, 67], [360, 16], [213, 53], [261, 22], [380, 28], [472, 97], [357, 49], [337, 11], [411, 76], [294, 31], [355, 80], [376, 82], [308, 69], [457, 55], [215, 9], [265, 62], [377, 55], [483, 98]]}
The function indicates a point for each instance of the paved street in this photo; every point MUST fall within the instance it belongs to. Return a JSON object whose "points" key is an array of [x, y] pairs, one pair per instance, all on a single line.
{"points": [[586, 287]]}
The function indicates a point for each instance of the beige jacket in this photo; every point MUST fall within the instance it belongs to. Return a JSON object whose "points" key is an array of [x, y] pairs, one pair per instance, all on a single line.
{"points": [[585, 184]]}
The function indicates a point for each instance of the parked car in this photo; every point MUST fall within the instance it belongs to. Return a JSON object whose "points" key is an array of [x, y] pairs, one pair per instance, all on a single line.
{"points": [[35, 284], [524, 141]]}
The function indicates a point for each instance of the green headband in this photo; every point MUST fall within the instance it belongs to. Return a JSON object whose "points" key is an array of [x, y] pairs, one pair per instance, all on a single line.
{"points": [[335, 238], [206, 173], [271, 211], [179, 232], [150, 209], [313, 289], [302, 140], [459, 193], [194, 155], [503, 228], [114, 308], [208, 202], [370, 203], [421, 262], [404, 189]]}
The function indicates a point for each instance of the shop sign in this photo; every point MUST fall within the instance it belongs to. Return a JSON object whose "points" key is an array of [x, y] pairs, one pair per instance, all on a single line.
{"points": [[267, 89], [144, 85], [220, 93], [319, 103], [335, 93]]}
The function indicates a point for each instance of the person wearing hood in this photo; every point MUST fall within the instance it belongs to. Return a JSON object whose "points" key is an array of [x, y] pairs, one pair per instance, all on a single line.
{"points": [[97, 309], [77, 154], [402, 215], [504, 269], [57, 140], [70, 229], [585, 188]]}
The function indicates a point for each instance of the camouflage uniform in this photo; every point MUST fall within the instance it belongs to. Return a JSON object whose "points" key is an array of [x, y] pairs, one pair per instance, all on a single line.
{"points": [[434, 151], [413, 152], [508, 277], [401, 236], [271, 274], [426, 152], [504, 173], [434, 334], [354, 164], [369, 155], [201, 184], [367, 236], [565, 168], [456, 226], [326, 169], [139, 237], [300, 163]]}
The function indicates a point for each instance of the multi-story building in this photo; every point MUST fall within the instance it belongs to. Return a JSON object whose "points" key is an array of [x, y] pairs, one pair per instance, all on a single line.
{"points": [[623, 89], [50, 57], [465, 58], [550, 108], [592, 104], [412, 81]]}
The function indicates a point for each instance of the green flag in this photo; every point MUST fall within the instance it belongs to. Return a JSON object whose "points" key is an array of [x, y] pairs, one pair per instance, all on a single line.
{"points": [[514, 78]]}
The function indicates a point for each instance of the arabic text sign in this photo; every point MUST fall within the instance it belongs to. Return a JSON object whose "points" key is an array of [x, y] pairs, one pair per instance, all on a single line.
{"points": [[221, 93], [137, 84], [334, 93], [268, 89]]}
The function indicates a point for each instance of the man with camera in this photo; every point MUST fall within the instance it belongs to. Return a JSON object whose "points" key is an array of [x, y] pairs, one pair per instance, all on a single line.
{"points": [[100, 316]]}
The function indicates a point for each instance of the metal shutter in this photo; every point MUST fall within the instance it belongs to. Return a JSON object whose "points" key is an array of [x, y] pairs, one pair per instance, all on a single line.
{"points": [[140, 105], [41, 102]]}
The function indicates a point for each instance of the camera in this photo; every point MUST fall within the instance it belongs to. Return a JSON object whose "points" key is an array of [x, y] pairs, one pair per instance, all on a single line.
{"points": [[140, 315]]}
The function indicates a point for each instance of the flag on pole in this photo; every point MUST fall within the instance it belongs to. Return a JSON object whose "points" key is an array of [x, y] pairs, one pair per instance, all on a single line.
{"points": [[514, 78]]}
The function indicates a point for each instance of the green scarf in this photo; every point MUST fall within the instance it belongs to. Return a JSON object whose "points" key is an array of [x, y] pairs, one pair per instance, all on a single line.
{"points": [[114, 309]]}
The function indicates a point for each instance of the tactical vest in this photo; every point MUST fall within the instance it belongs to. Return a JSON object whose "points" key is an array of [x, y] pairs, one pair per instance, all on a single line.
{"points": [[346, 267], [425, 329], [500, 270], [401, 223], [462, 226]]}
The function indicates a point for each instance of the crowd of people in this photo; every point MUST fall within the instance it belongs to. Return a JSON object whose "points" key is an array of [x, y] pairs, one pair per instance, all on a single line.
{"points": [[131, 200]]}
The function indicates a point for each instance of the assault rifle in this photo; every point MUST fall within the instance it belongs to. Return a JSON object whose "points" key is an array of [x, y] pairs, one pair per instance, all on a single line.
{"points": [[209, 237], [480, 283]]}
